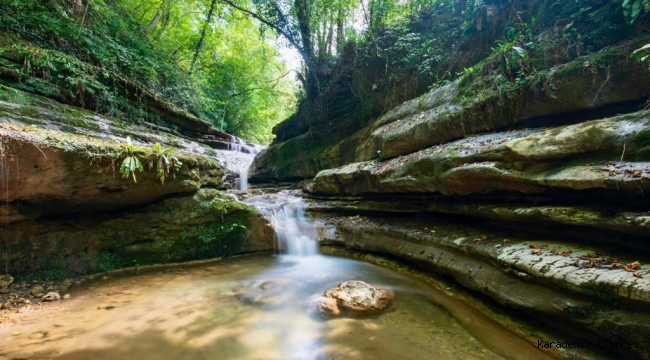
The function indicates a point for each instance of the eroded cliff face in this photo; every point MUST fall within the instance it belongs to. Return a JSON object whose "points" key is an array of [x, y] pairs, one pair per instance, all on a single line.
{"points": [[460, 109], [69, 210]]}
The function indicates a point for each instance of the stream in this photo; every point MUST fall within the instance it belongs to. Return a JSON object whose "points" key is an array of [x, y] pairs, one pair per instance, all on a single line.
{"points": [[256, 307]]}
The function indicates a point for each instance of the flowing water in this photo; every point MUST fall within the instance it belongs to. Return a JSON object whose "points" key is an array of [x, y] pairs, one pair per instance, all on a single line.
{"points": [[256, 307], [237, 144]]}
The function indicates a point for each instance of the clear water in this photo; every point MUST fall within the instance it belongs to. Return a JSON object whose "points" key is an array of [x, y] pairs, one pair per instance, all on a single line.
{"points": [[258, 307], [239, 145], [194, 312], [286, 212], [243, 179]]}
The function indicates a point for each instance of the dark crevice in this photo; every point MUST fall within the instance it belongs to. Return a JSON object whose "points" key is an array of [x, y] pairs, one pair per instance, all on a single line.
{"points": [[577, 117], [609, 241], [100, 214], [596, 198]]}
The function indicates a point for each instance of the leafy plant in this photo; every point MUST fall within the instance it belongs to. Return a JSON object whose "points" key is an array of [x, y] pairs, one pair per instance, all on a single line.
{"points": [[509, 56], [632, 9], [641, 54], [467, 71], [131, 162], [164, 161]]}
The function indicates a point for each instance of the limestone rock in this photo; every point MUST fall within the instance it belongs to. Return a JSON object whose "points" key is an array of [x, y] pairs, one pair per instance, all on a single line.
{"points": [[37, 290], [357, 297], [51, 296], [176, 229], [567, 158], [326, 306], [437, 117], [56, 178], [6, 280]]}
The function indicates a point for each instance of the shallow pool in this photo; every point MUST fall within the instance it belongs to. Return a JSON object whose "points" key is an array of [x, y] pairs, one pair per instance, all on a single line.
{"points": [[197, 312]]}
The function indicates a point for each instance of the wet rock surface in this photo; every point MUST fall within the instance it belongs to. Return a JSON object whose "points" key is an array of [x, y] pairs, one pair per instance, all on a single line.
{"points": [[606, 291], [66, 173], [204, 225], [68, 160], [266, 293], [72, 212]]}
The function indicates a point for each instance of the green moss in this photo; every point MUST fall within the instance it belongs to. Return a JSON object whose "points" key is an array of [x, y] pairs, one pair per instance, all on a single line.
{"points": [[638, 146], [55, 269], [205, 241], [601, 291], [107, 261]]}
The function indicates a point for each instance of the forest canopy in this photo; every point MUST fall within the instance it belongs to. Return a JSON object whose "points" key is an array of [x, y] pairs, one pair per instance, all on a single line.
{"points": [[222, 60], [197, 55]]}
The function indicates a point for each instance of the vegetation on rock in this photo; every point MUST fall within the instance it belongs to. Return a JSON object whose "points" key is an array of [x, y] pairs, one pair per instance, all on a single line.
{"points": [[145, 60]]}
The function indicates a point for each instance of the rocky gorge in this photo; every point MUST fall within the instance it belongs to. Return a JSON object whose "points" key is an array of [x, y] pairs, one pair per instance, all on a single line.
{"points": [[533, 198], [515, 186]]}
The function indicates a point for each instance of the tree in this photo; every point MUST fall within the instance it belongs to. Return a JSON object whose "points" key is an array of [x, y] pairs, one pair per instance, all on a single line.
{"points": [[242, 90], [308, 26], [199, 45]]}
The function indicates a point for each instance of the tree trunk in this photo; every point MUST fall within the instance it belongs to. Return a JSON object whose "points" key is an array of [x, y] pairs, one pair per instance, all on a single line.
{"points": [[199, 45], [154, 22], [340, 36], [302, 14], [330, 32]]}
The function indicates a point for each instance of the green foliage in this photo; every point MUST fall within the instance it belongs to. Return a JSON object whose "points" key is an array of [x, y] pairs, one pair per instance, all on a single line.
{"points": [[467, 71], [509, 57], [632, 9], [131, 162], [641, 54], [84, 57], [164, 162], [108, 261]]}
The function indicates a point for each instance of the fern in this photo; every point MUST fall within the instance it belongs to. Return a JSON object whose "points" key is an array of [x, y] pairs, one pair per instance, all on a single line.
{"points": [[131, 162], [164, 162]]}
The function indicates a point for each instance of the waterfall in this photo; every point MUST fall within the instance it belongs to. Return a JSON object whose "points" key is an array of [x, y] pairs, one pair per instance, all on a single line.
{"points": [[243, 179], [238, 145], [286, 212]]}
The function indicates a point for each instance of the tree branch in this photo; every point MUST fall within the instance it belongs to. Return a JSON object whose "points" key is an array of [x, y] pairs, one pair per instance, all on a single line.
{"points": [[276, 80], [268, 23]]}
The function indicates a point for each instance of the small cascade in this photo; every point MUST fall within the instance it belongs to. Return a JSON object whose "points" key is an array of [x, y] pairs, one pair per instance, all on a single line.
{"points": [[239, 145], [286, 212], [247, 149], [243, 179]]}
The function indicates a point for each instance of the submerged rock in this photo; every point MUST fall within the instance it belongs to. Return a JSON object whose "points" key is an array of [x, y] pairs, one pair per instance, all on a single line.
{"points": [[326, 306], [356, 297], [267, 293]]}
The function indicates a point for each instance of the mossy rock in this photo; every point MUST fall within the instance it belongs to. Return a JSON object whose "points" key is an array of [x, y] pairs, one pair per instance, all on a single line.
{"points": [[207, 224]]}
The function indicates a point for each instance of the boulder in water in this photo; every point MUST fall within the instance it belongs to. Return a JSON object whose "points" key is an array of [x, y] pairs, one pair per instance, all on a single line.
{"points": [[326, 306], [356, 297]]}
